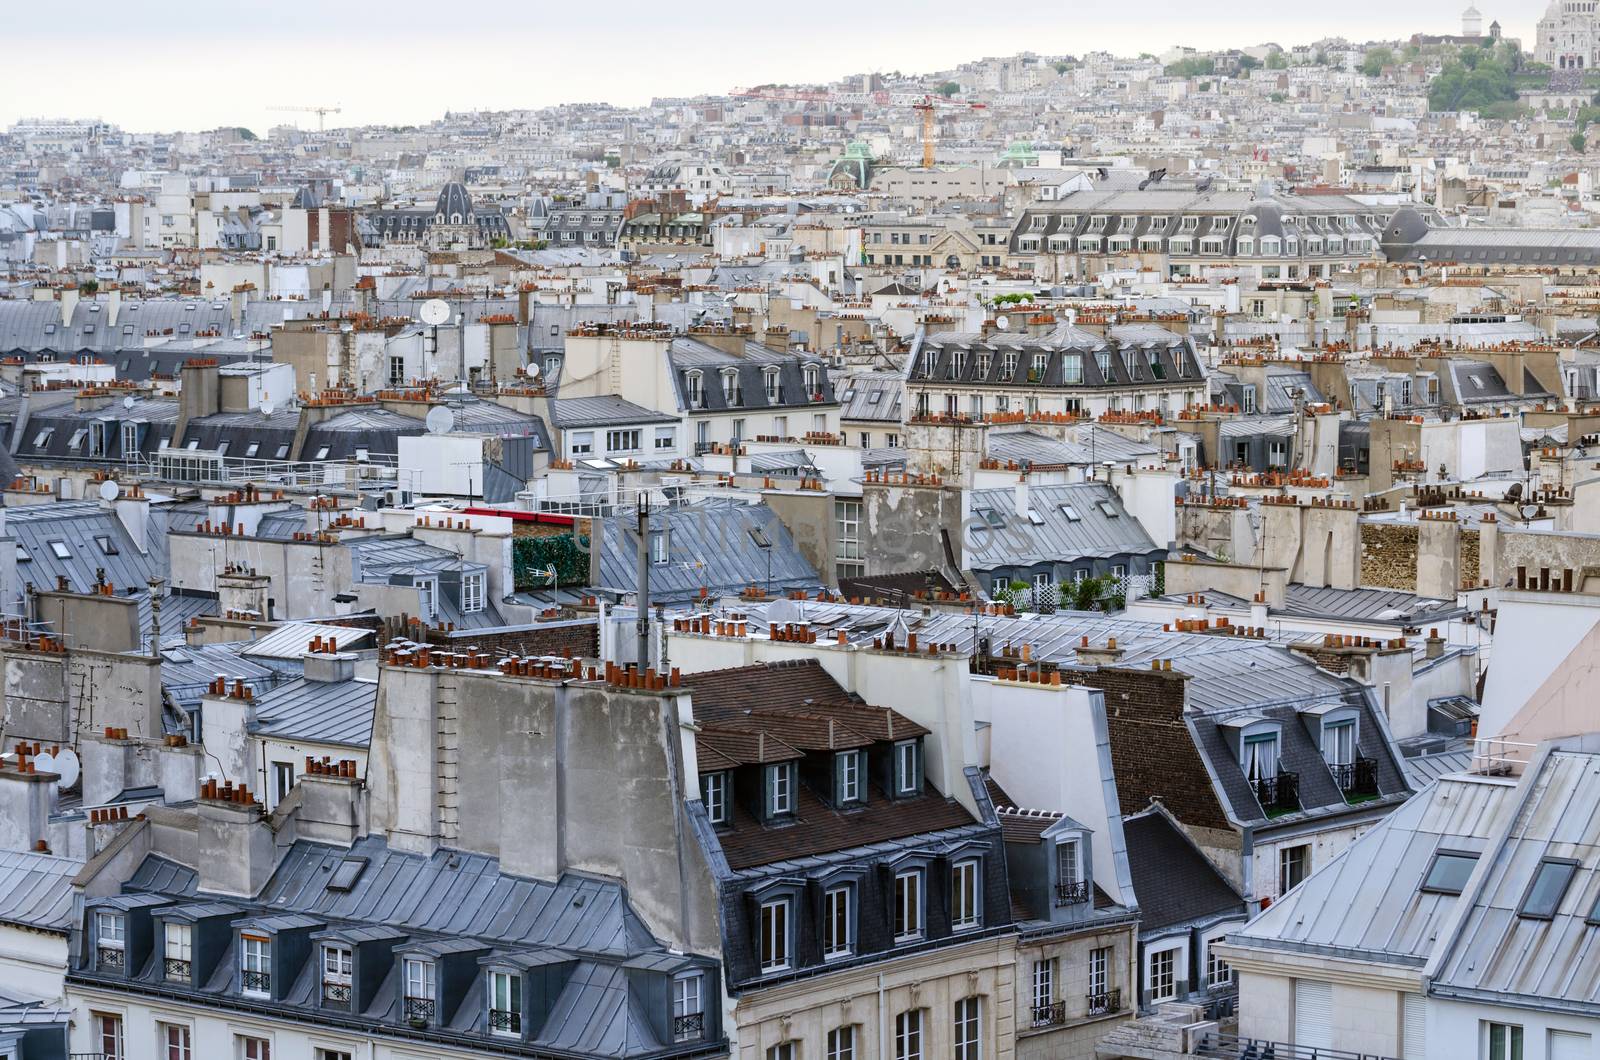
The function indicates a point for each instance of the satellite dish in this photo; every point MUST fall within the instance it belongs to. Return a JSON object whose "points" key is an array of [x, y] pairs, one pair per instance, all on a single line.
{"points": [[109, 490], [267, 408], [128, 402], [45, 763], [1002, 322], [782, 611], [531, 370], [434, 311], [440, 420], [67, 768]]}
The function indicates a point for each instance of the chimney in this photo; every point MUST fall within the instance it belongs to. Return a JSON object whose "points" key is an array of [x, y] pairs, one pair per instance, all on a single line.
{"points": [[113, 305], [1434, 645], [234, 849], [68, 297], [27, 799], [327, 666], [1020, 492]]}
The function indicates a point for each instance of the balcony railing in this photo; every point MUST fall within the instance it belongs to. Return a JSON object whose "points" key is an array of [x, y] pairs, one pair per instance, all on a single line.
{"points": [[1105, 1003], [689, 1026], [1233, 1047], [1356, 778], [255, 982], [110, 958], [504, 1021], [175, 968], [1072, 893], [336, 995], [420, 1009], [1050, 1015], [1279, 794]]}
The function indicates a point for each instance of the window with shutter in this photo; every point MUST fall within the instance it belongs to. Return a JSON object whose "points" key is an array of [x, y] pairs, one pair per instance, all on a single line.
{"points": [[1313, 1014]]}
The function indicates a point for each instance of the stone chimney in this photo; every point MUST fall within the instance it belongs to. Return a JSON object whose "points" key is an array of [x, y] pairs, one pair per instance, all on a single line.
{"points": [[235, 850], [27, 799]]}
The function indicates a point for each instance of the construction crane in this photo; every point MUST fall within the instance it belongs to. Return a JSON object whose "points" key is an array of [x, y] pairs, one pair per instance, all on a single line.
{"points": [[926, 107], [320, 112]]}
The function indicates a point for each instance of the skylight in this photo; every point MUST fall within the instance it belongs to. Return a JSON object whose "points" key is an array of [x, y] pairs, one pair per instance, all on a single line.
{"points": [[61, 550], [1449, 872], [1108, 509], [347, 873], [1071, 513], [1549, 886]]}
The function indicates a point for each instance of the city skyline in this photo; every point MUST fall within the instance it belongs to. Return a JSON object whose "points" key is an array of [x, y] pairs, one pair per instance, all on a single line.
{"points": [[174, 75]]}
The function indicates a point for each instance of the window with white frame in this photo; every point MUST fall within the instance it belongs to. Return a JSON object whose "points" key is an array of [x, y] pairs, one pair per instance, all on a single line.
{"points": [[251, 1048], [908, 1035], [110, 940], [425, 597], [666, 437], [688, 1007], [505, 1003], [968, 1029], [1099, 972], [255, 965], [773, 383], [1163, 982], [732, 389], [337, 965], [659, 552], [836, 923], [781, 1051], [696, 385], [908, 905], [1044, 991], [1294, 864], [849, 765], [1339, 742], [813, 377], [842, 1043], [907, 777], [848, 555], [108, 1034], [775, 935], [714, 793], [333, 1054], [1502, 1041], [1260, 756], [1218, 973], [582, 443], [421, 997], [177, 951], [966, 910], [622, 441], [472, 592], [175, 1041], [780, 789]]}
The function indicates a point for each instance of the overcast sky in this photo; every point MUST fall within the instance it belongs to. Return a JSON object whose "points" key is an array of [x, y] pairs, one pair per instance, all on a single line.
{"points": [[196, 64]]}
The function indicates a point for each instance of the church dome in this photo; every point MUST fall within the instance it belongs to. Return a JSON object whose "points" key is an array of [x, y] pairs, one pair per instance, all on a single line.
{"points": [[454, 206]]}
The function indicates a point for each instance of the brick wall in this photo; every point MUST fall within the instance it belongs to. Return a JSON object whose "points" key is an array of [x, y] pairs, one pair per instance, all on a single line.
{"points": [[576, 637], [1152, 751], [1389, 556]]}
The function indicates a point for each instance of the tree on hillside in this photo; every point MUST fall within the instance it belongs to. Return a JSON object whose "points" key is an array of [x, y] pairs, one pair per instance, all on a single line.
{"points": [[1376, 59], [948, 89]]}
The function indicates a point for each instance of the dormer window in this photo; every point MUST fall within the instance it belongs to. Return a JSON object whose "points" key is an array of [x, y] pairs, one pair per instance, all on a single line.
{"points": [[1071, 883], [774, 935], [1260, 756], [780, 789], [337, 966], [178, 953], [421, 997], [732, 391], [255, 965], [966, 895], [813, 376], [505, 1004], [838, 923], [847, 765], [714, 793], [908, 905], [1102, 360], [695, 383], [111, 941], [688, 1007], [774, 385], [907, 767]]}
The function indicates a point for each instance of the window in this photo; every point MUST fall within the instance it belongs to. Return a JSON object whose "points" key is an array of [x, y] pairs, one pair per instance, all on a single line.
{"points": [[60, 550], [174, 1039], [773, 383], [714, 793], [781, 1051], [1339, 743], [425, 591], [332, 1054], [1099, 973], [178, 951], [907, 780], [688, 1007], [780, 789], [1218, 973], [965, 896], [836, 926], [1504, 1041], [696, 386], [622, 441], [842, 1043], [421, 999], [1549, 886], [908, 1035], [336, 969], [1294, 864], [505, 1003], [1260, 757], [849, 764], [111, 936], [1069, 861], [666, 437], [282, 780], [968, 1039], [255, 964], [775, 935], [908, 906], [397, 371], [472, 592], [582, 443], [1044, 992], [108, 1032], [1163, 983], [732, 391]]}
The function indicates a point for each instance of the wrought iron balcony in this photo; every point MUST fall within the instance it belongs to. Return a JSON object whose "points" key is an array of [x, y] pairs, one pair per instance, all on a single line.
{"points": [[336, 995], [504, 1021], [180, 970], [1105, 1003], [420, 1009], [256, 982], [1050, 1015], [1356, 778], [111, 958], [1279, 794], [1233, 1047], [1072, 893], [689, 1026]]}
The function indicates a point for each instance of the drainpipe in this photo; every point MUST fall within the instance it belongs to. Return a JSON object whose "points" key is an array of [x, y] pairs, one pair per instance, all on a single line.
{"points": [[883, 1022], [1247, 863]]}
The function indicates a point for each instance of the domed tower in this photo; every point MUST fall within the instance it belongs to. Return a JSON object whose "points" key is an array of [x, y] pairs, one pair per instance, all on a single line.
{"points": [[453, 225], [1471, 23]]}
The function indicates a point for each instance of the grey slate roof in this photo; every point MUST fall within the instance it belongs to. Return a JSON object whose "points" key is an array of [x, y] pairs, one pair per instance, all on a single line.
{"points": [[708, 544], [606, 410], [332, 712], [1018, 541], [1172, 880], [36, 889]]}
